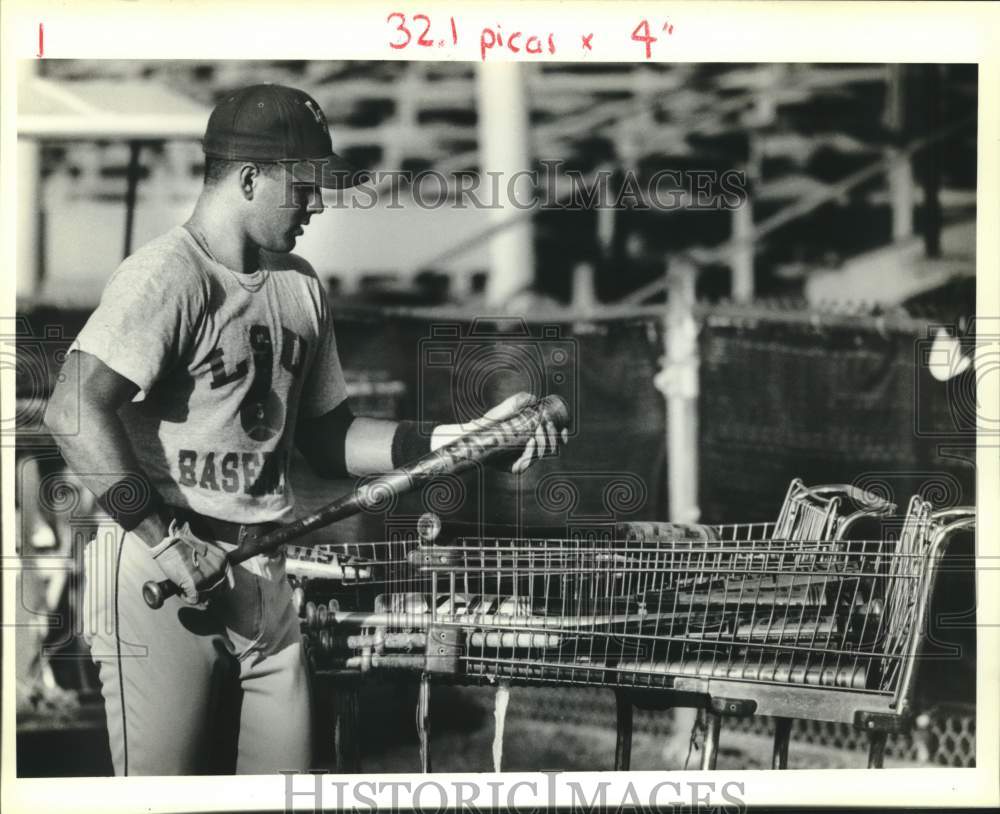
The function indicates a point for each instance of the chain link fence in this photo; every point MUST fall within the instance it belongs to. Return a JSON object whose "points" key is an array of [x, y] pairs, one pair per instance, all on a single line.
{"points": [[942, 736]]}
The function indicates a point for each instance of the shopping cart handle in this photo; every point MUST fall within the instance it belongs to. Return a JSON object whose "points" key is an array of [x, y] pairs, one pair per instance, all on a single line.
{"points": [[959, 518], [956, 513], [868, 500]]}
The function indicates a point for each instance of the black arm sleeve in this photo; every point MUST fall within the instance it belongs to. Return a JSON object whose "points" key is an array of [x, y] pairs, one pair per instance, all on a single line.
{"points": [[322, 441]]}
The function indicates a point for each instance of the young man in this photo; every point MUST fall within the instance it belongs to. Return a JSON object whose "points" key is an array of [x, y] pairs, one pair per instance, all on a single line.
{"points": [[211, 353]]}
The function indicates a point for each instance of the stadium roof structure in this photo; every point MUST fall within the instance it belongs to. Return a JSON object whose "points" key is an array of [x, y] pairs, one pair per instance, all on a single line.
{"points": [[88, 109], [134, 111]]}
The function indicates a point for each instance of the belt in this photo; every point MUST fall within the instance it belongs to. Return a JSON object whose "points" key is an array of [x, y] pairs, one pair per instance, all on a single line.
{"points": [[224, 531]]}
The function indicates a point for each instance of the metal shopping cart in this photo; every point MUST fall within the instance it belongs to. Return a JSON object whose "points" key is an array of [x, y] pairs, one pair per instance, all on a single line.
{"points": [[792, 619]]}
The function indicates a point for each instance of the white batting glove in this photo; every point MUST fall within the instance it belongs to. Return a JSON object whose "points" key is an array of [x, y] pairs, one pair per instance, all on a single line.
{"points": [[195, 566], [544, 443]]}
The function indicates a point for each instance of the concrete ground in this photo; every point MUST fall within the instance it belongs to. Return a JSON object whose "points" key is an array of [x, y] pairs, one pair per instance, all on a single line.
{"points": [[575, 737]]}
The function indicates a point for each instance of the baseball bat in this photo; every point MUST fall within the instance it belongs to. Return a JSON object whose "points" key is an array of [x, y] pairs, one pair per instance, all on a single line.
{"points": [[457, 456]]}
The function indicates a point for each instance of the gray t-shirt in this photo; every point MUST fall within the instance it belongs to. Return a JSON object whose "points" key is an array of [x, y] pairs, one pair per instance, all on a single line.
{"points": [[224, 362]]}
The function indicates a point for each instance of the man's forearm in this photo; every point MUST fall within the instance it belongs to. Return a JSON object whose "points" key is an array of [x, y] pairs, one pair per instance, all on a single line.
{"points": [[339, 444], [375, 445], [100, 454]]}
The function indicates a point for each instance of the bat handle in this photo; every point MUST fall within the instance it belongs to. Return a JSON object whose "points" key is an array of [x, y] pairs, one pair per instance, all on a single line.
{"points": [[156, 593]]}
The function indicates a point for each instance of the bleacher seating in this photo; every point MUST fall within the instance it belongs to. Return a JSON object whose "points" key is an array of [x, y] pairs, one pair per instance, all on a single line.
{"points": [[796, 129]]}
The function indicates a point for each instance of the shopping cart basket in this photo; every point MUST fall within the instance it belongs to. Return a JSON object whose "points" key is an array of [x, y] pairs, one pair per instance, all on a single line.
{"points": [[792, 619]]}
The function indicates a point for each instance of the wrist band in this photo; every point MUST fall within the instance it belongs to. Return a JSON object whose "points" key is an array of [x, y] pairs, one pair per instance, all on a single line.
{"points": [[130, 500], [411, 440]]}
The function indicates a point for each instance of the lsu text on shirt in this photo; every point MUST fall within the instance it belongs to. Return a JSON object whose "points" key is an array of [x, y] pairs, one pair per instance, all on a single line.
{"points": [[224, 363]]}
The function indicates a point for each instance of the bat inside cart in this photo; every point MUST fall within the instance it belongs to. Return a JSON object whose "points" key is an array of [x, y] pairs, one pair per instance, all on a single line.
{"points": [[668, 604], [560, 609], [496, 438]]}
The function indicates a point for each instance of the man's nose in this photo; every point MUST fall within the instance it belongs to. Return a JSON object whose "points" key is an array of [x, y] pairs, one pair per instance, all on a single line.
{"points": [[314, 203]]}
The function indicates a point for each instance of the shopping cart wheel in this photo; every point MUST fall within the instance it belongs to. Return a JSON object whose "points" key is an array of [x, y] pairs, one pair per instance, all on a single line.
{"points": [[623, 743], [782, 732]]}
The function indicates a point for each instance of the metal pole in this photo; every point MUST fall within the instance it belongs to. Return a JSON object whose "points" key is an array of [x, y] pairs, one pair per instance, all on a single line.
{"points": [[500, 702], [503, 147], [347, 729], [901, 194], [782, 733], [932, 172], [28, 203], [134, 149], [583, 297], [876, 749], [742, 258], [424, 722], [710, 748], [678, 381], [623, 741], [900, 169]]}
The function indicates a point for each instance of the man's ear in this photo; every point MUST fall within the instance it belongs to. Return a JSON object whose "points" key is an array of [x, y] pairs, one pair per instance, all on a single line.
{"points": [[248, 180]]}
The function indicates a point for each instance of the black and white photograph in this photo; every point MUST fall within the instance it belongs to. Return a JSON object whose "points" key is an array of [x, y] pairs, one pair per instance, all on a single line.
{"points": [[435, 416]]}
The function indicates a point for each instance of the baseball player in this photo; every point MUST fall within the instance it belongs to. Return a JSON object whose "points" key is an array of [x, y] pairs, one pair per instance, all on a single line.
{"points": [[209, 359]]}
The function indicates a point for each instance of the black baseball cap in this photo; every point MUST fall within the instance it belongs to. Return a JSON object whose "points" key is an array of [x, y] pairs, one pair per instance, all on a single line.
{"points": [[275, 123]]}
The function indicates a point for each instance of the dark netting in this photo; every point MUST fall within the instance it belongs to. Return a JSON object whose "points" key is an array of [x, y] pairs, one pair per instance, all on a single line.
{"points": [[781, 400], [784, 398], [453, 369]]}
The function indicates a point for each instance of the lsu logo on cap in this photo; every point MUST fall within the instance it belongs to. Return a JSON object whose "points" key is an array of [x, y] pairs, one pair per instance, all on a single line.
{"points": [[317, 113]]}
